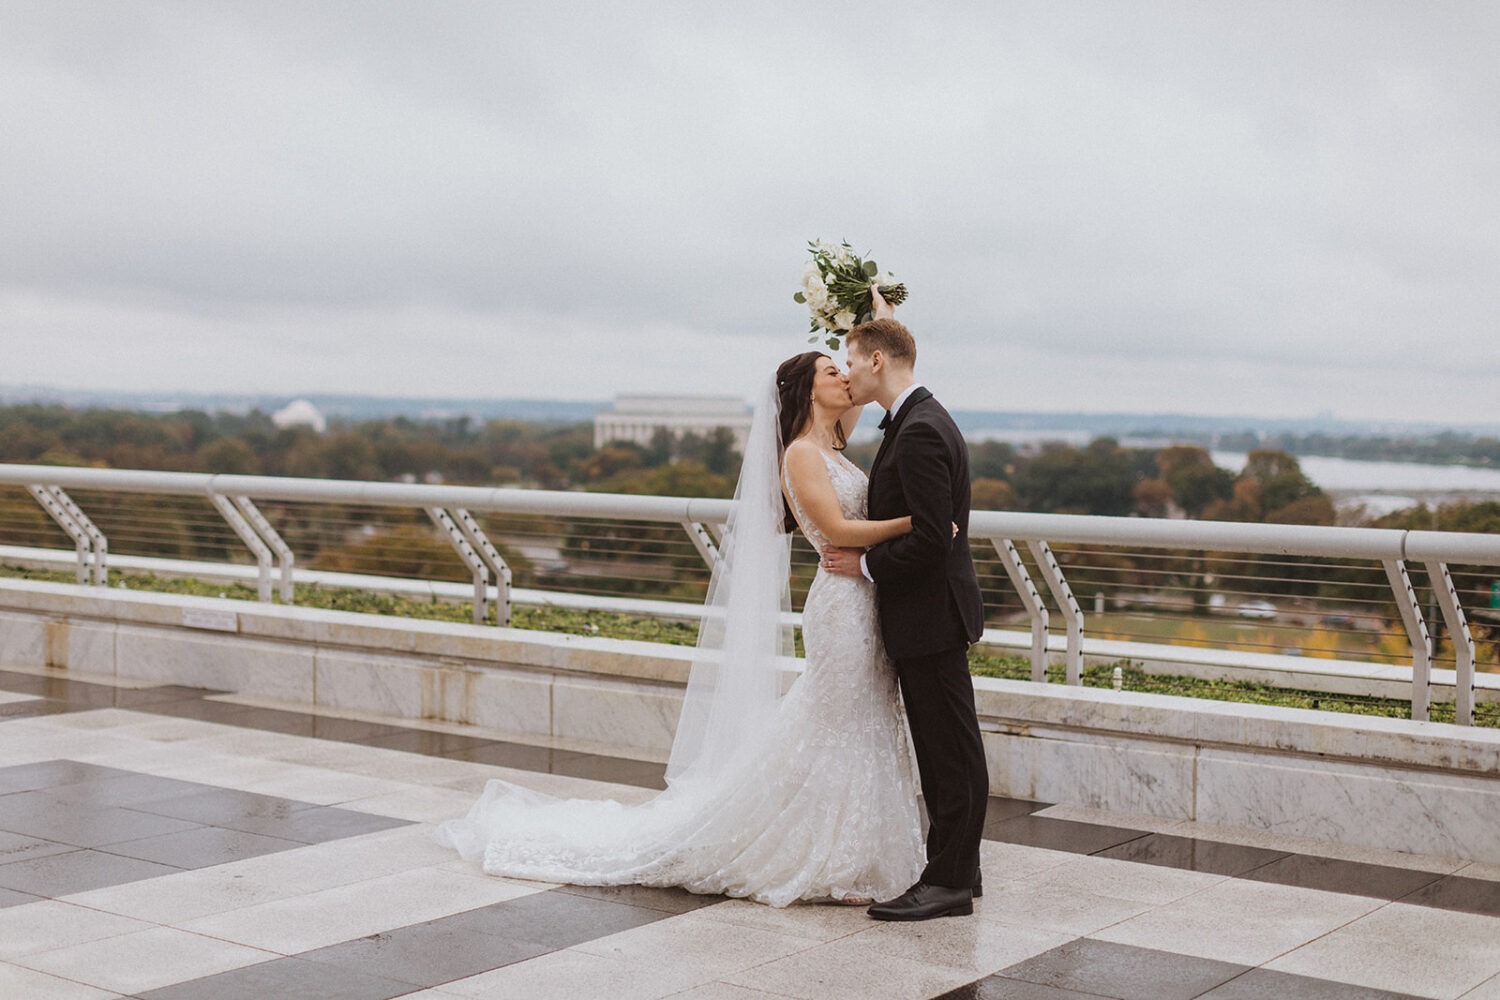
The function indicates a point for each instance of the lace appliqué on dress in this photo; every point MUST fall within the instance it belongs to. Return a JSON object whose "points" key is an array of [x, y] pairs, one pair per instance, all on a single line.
{"points": [[823, 806]]}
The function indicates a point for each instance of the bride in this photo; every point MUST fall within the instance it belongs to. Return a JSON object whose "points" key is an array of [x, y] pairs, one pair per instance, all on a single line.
{"points": [[779, 799]]}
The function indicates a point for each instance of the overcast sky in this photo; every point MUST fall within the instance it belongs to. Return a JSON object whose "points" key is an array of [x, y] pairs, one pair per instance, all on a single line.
{"points": [[1246, 208]]}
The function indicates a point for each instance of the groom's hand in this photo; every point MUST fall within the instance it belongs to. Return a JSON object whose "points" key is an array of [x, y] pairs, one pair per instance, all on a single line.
{"points": [[883, 309], [842, 562]]}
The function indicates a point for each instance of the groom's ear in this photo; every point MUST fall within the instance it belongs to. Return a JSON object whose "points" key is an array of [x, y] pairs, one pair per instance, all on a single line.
{"points": [[877, 361]]}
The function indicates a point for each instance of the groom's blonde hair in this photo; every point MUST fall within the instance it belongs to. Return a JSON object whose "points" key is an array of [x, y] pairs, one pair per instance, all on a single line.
{"points": [[888, 336]]}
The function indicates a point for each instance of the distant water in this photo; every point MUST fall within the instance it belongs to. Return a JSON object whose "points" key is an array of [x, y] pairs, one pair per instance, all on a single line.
{"points": [[1347, 475], [1380, 487]]}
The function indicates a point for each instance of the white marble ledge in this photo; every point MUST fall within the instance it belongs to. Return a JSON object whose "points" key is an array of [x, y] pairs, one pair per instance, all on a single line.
{"points": [[473, 644], [1006, 705]]}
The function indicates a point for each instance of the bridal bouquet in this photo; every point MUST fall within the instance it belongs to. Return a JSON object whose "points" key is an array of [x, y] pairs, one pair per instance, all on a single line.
{"points": [[836, 290]]}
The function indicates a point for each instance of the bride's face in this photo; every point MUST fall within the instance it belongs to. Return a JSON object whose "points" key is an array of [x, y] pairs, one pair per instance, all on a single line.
{"points": [[831, 387]]}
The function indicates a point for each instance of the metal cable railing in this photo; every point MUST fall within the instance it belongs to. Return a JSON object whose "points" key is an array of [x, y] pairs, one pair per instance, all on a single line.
{"points": [[1384, 596]]}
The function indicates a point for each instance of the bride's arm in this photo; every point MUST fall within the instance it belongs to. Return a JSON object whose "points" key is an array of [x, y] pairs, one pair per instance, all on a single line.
{"points": [[808, 477], [850, 418]]}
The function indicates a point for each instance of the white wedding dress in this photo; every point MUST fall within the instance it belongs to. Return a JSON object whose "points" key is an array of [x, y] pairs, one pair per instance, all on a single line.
{"points": [[820, 804]]}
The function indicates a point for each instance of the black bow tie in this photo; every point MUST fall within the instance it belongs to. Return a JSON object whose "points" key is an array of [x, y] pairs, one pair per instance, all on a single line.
{"points": [[885, 421]]}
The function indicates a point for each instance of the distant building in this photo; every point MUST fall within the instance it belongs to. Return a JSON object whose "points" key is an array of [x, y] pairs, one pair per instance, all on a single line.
{"points": [[300, 413], [637, 418]]}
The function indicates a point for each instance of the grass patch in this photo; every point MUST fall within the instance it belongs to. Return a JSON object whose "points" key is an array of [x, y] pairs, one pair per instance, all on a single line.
{"points": [[612, 625], [1133, 678]]}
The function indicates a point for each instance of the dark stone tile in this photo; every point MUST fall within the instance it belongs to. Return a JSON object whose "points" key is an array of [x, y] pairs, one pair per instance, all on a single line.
{"points": [[202, 847], [47, 773], [1456, 892], [277, 720], [999, 809], [521, 756], [129, 789], [15, 847], [137, 697], [228, 807], [274, 720], [645, 896], [1264, 984], [17, 682], [32, 709], [999, 988], [10, 897], [75, 695], [1123, 971], [77, 871], [618, 770], [428, 954], [317, 825], [1353, 878], [1061, 834], [555, 919], [1192, 855], [285, 978], [39, 815], [205, 711], [424, 741], [353, 730]]}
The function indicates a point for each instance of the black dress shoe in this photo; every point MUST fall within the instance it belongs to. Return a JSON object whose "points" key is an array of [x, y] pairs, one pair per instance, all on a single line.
{"points": [[923, 902]]}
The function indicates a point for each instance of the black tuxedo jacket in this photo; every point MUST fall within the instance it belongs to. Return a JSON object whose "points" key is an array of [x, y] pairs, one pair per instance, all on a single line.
{"points": [[927, 592]]}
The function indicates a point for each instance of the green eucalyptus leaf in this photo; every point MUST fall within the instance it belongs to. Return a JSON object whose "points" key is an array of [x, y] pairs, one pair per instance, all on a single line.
{"points": [[870, 269], [799, 297]]}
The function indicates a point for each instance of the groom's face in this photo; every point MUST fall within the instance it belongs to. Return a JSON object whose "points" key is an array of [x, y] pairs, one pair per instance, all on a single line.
{"points": [[862, 377]]}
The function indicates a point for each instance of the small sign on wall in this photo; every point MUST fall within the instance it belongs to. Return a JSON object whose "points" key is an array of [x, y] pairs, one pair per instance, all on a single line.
{"points": [[211, 618]]}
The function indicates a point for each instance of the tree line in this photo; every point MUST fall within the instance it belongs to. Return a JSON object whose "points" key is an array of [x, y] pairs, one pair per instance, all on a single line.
{"points": [[1101, 477]]}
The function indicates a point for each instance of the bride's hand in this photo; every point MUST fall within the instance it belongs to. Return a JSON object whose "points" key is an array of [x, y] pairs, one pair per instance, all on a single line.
{"points": [[883, 309], [955, 529], [841, 561]]}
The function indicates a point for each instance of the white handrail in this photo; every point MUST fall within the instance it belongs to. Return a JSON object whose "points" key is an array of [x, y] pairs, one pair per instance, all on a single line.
{"points": [[1464, 548], [507, 500], [1388, 547]]}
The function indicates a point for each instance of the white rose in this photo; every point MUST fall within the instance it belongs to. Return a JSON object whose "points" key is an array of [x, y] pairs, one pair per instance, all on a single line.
{"points": [[817, 298], [844, 320]]}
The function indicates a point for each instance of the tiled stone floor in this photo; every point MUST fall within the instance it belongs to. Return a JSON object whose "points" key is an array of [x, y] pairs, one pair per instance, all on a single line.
{"points": [[176, 844]]}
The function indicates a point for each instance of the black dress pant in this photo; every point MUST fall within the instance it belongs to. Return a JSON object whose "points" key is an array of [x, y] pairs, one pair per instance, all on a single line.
{"points": [[939, 696]]}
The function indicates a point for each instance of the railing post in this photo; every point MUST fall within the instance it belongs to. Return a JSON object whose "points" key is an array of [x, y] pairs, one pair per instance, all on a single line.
{"points": [[83, 542], [461, 545], [486, 550], [1463, 641], [274, 540], [1021, 580], [253, 542], [1046, 564], [100, 543], [703, 542], [1416, 632]]}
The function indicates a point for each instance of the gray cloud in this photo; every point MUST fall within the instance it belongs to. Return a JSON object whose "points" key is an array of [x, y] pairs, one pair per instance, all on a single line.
{"points": [[1278, 208]]}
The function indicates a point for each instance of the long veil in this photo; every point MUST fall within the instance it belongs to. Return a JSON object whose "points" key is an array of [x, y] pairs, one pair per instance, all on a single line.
{"points": [[744, 642], [745, 638], [760, 802]]}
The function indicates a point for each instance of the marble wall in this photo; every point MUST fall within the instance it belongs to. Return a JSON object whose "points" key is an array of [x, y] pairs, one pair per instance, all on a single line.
{"points": [[1389, 783]]}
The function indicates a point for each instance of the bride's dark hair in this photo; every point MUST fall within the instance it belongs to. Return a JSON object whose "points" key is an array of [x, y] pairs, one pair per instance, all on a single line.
{"points": [[794, 389]]}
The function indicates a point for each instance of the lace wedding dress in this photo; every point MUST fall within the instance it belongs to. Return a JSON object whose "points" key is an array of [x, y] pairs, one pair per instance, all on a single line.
{"points": [[819, 804]]}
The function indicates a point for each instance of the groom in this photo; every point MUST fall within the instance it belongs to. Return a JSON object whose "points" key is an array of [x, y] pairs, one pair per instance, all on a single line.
{"points": [[930, 608]]}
